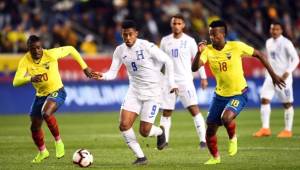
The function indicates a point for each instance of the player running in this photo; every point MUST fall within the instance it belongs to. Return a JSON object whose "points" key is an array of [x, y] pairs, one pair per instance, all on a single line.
{"points": [[182, 48], [143, 61], [283, 57], [225, 61], [39, 66]]}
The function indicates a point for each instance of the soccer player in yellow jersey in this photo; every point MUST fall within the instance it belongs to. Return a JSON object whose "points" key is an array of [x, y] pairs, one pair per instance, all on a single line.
{"points": [[39, 66], [225, 61]]}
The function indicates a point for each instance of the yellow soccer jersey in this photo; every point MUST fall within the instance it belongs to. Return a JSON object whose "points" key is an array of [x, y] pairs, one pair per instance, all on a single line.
{"points": [[226, 66], [47, 67]]}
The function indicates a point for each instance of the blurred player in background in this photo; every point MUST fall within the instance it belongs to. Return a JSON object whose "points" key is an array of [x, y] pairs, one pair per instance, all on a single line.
{"points": [[182, 48], [143, 61], [283, 57], [40, 67], [225, 61]]}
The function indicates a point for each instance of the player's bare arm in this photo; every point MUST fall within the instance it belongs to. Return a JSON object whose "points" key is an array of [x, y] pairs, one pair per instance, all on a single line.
{"points": [[36, 79], [197, 63], [277, 80], [90, 73]]}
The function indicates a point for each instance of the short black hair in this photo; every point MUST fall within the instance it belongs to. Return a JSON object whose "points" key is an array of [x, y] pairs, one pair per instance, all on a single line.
{"points": [[276, 22], [178, 16], [33, 39], [128, 24], [218, 23]]}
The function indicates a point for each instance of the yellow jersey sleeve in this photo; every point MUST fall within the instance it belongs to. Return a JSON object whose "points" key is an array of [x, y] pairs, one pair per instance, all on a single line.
{"points": [[246, 49], [61, 52], [21, 76], [203, 55]]}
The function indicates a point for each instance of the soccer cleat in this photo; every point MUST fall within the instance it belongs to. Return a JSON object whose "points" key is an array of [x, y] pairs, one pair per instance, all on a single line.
{"points": [[140, 161], [161, 140], [232, 148], [60, 149], [41, 156], [285, 134], [262, 132], [202, 145], [213, 161]]}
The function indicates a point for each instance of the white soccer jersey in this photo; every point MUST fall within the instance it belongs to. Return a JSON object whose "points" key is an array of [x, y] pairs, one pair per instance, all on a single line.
{"points": [[282, 55], [143, 62], [181, 50]]}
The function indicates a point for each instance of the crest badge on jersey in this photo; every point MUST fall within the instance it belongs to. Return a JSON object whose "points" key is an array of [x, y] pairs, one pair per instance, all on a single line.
{"points": [[46, 65], [228, 55]]}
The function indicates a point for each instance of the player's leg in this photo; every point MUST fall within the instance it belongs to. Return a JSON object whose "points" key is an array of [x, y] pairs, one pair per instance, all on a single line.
{"points": [[267, 93], [147, 128], [232, 109], [129, 112], [165, 121], [213, 122], [53, 102], [36, 129], [168, 105], [189, 100], [287, 98]]}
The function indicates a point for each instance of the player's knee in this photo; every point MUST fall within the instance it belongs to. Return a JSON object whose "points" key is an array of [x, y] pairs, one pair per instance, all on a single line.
{"points": [[124, 126], [167, 113], [144, 132], [265, 101], [35, 127], [287, 105]]}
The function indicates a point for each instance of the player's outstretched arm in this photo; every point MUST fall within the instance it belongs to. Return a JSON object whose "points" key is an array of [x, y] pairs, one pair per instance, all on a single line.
{"points": [[197, 63], [277, 80]]}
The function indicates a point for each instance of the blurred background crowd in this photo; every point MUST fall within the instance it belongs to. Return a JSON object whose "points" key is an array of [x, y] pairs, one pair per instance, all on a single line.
{"points": [[93, 26]]}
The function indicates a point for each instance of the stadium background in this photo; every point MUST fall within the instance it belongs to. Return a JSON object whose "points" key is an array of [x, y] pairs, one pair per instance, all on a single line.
{"points": [[93, 27]]}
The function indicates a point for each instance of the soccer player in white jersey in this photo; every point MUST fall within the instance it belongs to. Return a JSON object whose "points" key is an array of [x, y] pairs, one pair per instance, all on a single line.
{"points": [[182, 48], [283, 57], [143, 61]]}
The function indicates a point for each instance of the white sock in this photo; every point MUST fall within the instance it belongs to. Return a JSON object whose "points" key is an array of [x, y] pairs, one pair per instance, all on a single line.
{"points": [[132, 143], [265, 111], [288, 118], [166, 123], [155, 131], [200, 126]]}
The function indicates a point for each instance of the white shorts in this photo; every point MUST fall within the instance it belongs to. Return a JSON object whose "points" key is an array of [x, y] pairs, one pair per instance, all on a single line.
{"points": [[187, 96], [147, 109], [285, 95]]}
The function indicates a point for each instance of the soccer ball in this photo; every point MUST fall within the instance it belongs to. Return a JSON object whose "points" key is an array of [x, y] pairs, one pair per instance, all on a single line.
{"points": [[83, 158]]}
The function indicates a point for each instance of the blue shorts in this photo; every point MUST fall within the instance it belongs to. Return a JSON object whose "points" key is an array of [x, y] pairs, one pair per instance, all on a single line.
{"points": [[57, 96], [220, 103]]}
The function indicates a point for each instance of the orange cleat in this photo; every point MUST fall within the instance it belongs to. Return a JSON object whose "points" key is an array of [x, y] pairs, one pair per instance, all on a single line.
{"points": [[285, 134], [262, 132]]}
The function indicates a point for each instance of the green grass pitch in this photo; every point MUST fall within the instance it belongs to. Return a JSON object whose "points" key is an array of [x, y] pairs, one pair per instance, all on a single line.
{"points": [[98, 132]]}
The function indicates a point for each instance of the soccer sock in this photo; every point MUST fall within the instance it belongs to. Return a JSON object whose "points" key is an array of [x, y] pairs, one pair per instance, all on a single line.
{"points": [[230, 127], [155, 131], [212, 145], [53, 126], [200, 126], [132, 143], [288, 118], [166, 123], [265, 111], [38, 138]]}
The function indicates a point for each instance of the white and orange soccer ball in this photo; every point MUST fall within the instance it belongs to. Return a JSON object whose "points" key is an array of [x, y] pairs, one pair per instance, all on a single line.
{"points": [[83, 158]]}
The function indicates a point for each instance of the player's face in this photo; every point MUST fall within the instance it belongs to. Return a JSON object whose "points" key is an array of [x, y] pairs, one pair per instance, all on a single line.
{"points": [[36, 50], [216, 35], [177, 25], [275, 30], [129, 36]]}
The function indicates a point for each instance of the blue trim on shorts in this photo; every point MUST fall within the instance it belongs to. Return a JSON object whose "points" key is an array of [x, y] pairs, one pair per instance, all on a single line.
{"points": [[219, 104], [58, 96]]}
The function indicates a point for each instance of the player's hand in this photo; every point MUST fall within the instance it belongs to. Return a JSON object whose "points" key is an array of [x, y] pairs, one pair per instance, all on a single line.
{"points": [[285, 75], [278, 81], [90, 73], [37, 78], [202, 45], [175, 90], [204, 83]]}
